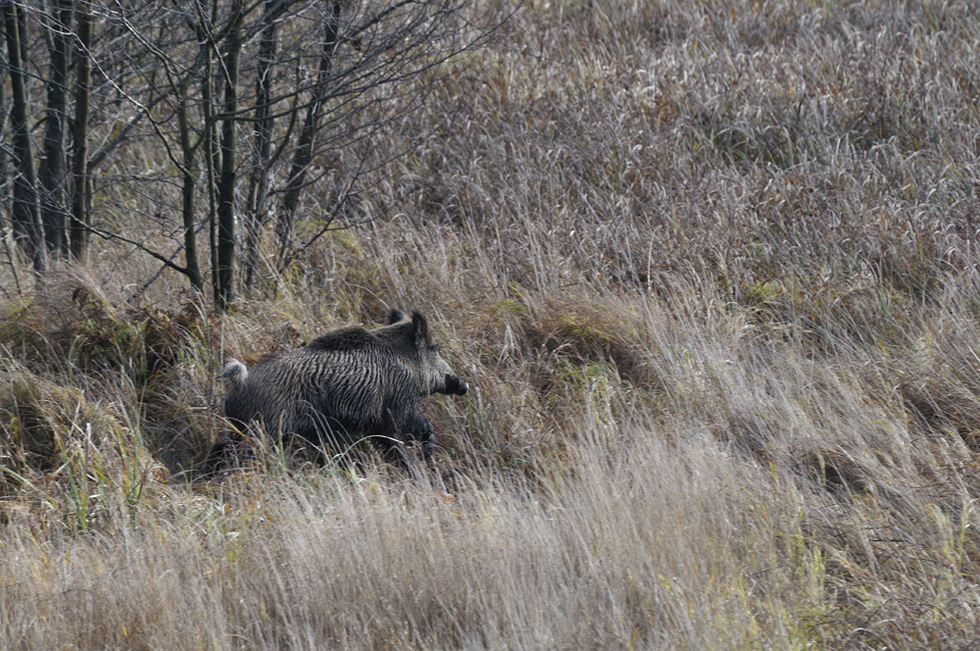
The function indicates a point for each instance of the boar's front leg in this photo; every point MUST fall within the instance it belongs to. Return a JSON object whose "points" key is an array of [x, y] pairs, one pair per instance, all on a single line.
{"points": [[392, 442], [416, 427]]}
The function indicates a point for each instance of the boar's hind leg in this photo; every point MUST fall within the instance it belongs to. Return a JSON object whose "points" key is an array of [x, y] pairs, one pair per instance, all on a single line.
{"points": [[230, 451], [326, 438]]}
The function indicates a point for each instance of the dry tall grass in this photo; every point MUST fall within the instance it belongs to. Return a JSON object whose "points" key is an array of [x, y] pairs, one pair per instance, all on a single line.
{"points": [[711, 271]]}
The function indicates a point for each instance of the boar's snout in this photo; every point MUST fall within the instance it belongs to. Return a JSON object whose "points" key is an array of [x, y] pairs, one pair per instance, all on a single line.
{"points": [[455, 385]]}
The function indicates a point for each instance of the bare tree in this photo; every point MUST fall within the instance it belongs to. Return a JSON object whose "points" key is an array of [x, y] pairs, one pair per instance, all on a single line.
{"points": [[79, 222], [259, 179], [26, 220], [225, 262], [52, 172], [369, 54], [303, 154]]}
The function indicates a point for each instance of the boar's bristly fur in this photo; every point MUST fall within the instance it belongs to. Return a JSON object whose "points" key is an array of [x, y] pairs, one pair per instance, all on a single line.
{"points": [[346, 385]]}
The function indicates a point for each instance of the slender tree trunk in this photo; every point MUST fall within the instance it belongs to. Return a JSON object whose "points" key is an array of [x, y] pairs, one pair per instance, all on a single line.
{"points": [[192, 265], [258, 190], [212, 160], [227, 177], [3, 152], [3, 180], [80, 221], [303, 155], [26, 221], [52, 170]]}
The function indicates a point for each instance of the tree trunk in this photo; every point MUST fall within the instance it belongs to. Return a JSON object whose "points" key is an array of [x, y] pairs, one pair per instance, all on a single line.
{"points": [[303, 155], [80, 220], [226, 179], [26, 221], [192, 265], [258, 190], [212, 160], [3, 151], [52, 170]]}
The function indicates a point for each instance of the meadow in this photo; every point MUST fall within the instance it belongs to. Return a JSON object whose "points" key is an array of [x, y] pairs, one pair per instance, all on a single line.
{"points": [[711, 271]]}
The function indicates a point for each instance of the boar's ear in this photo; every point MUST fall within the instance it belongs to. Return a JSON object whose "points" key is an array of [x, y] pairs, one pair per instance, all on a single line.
{"points": [[421, 327], [395, 316]]}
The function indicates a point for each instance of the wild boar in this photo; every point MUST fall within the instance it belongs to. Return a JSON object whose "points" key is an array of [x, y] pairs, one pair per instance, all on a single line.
{"points": [[347, 385]]}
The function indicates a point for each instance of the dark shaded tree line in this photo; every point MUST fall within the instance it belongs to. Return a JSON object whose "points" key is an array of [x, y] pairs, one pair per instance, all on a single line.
{"points": [[204, 120]]}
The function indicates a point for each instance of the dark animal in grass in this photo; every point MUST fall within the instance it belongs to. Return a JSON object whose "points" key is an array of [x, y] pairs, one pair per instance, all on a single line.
{"points": [[345, 386]]}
